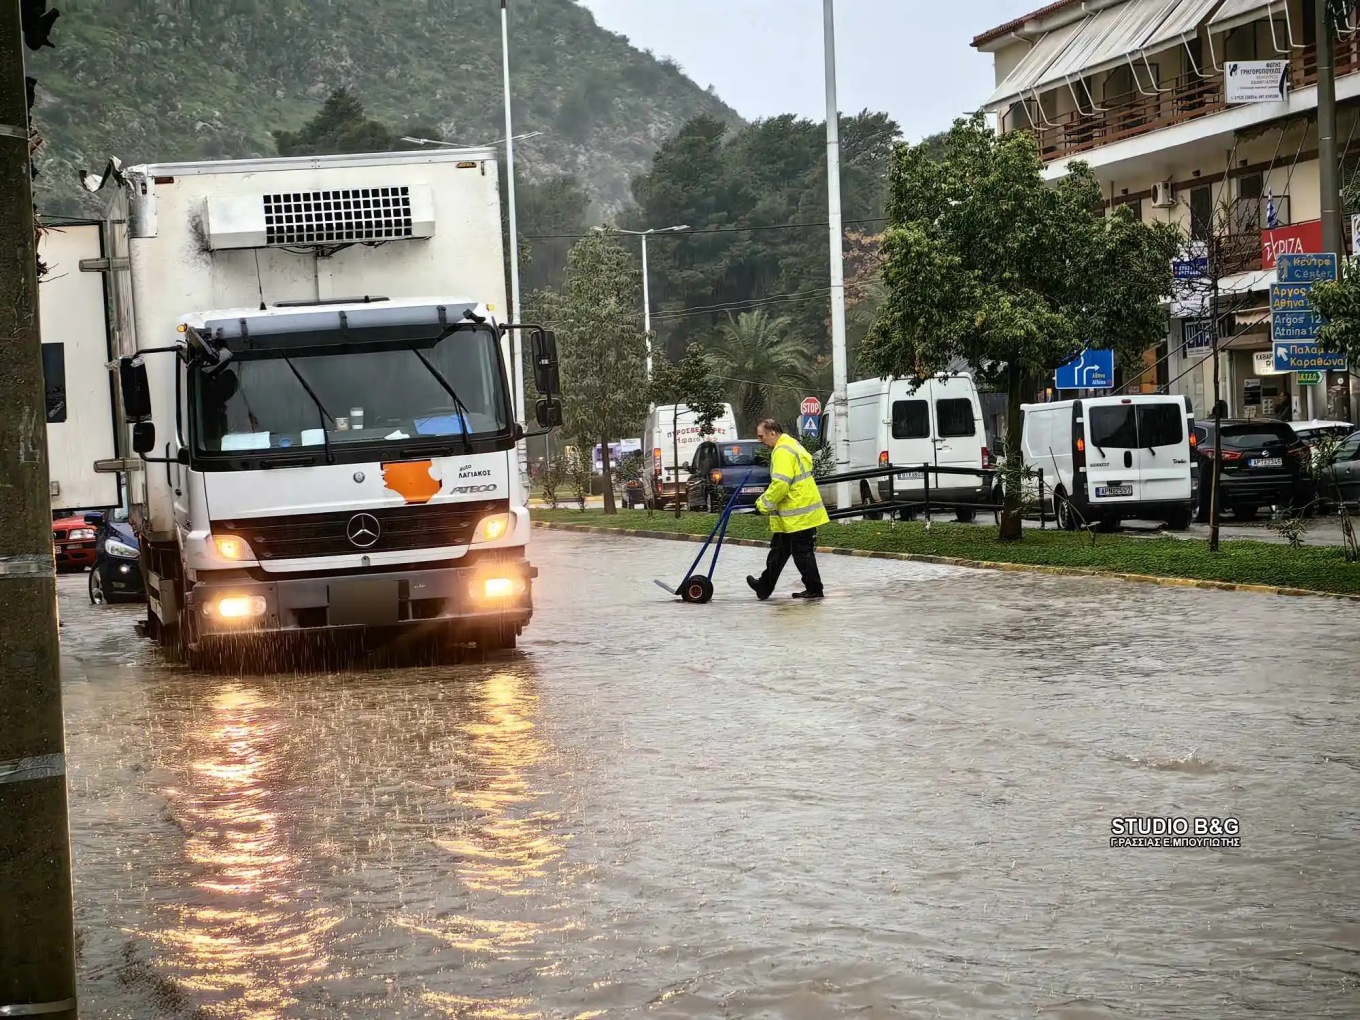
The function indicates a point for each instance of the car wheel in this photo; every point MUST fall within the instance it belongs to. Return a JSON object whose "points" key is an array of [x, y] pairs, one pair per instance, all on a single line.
{"points": [[1178, 521], [1245, 512], [97, 588], [1064, 512], [965, 515]]}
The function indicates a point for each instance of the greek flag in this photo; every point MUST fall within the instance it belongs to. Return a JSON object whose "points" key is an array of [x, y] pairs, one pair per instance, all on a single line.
{"points": [[1272, 217]]}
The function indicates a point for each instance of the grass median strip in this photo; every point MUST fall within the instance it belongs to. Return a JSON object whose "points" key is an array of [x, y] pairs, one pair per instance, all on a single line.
{"points": [[1313, 569]]}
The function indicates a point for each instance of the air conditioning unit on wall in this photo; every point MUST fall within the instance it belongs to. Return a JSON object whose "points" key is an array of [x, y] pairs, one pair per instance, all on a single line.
{"points": [[1163, 196]]}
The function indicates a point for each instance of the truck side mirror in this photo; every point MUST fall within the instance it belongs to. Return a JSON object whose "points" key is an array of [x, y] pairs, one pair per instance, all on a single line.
{"points": [[546, 377], [143, 437], [136, 389], [548, 412]]}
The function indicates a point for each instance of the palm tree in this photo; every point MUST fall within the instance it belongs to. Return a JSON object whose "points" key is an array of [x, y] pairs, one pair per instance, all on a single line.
{"points": [[759, 362]]}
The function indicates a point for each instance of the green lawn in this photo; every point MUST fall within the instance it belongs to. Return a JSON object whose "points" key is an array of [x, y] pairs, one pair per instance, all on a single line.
{"points": [[1321, 569]]}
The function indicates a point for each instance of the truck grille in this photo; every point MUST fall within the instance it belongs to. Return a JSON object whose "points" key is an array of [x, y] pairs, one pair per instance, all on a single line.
{"points": [[399, 528], [338, 217]]}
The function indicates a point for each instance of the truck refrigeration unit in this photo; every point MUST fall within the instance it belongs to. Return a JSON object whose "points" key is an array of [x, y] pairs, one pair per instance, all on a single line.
{"points": [[319, 387]]}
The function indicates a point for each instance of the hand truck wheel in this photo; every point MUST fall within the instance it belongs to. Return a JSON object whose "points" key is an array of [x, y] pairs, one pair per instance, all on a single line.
{"points": [[697, 589]]}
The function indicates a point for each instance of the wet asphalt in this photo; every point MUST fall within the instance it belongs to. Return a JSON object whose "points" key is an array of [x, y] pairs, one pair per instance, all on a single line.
{"points": [[896, 802]]}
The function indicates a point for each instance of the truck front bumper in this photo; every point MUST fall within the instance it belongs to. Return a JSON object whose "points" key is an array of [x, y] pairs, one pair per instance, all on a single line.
{"points": [[488, 594]]}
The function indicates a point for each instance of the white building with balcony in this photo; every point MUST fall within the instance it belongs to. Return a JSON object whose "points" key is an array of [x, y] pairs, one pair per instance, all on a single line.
{"points": [[1136, 89]]}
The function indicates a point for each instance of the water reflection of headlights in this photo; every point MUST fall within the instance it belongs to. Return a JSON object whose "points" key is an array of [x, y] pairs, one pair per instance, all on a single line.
{"points": [[241, 938], [501, 849]]}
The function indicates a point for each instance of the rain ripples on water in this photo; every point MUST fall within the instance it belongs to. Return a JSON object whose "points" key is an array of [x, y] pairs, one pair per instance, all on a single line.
{"points": [[897, 801]]}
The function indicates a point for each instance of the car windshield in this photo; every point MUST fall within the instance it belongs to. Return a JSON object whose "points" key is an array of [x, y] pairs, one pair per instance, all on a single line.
{"points": [[261, 401], [739, 454]]}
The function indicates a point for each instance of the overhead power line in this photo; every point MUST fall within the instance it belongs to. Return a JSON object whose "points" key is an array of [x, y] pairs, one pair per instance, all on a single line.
{"points": [[717, 230]]}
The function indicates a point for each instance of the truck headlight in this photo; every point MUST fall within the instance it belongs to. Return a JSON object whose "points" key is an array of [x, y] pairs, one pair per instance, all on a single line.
{"points": [[236, 607], [491, 528], [116, 548], [232, 547]]}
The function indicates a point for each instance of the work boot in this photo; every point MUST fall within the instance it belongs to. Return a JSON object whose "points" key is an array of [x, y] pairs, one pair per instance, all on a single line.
{"points": [[755, 587], [809, 595]]}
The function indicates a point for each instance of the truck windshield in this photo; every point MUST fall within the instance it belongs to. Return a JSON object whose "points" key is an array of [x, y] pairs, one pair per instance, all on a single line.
{"points": [[259, 402]]}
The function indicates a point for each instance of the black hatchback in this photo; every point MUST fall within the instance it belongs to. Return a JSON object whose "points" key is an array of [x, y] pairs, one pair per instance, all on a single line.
{"points": [[1264, 463]]}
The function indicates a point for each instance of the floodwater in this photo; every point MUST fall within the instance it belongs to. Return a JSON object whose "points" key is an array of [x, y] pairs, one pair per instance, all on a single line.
{"points": [[896, 802]]}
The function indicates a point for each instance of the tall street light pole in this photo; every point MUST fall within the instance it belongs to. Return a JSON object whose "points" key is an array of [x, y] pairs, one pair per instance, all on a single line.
{"points": [[646, 282], [515, 309], [833, 176], [1329, 171]]}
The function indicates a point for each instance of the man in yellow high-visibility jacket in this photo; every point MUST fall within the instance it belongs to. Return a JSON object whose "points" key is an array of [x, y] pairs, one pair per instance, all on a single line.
{"points": [[795, 509]]}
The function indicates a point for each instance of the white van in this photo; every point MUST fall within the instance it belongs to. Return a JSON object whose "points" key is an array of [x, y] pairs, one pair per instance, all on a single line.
{"points": [[670, 438], [1111, 459], [938, 423]]}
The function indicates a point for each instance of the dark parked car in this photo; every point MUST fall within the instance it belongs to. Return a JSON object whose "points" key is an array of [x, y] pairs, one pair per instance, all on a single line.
{"points": [[1264, 464], [718, 468], [117, 573]]}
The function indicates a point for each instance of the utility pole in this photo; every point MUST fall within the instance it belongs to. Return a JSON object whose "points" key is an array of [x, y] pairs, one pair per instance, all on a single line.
{"points": [[520, 402], [1329, 170], [37, 943], [1215, 259], [840, 372]]}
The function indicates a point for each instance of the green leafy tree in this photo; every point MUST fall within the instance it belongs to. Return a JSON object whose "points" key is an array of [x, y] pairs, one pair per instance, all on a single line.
{"points": [[988, 264], [689, 382], [603, 352], [760, 362]]}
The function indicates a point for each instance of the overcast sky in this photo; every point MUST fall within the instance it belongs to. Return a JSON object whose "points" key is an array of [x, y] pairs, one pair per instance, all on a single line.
{"points": [[764, 57]]}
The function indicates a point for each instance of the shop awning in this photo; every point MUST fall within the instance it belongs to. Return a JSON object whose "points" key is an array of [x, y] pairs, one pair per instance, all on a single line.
{"points": [[1235, 13], [1128, 36], [1046, 49], [1253, 281], [1180, 25]]}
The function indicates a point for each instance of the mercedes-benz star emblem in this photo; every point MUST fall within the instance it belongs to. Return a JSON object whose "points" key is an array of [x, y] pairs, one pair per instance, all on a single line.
{"points": [[363, 531]]}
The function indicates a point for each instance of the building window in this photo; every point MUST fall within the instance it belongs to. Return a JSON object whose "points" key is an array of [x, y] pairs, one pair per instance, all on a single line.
{"points": [[54, 381], [1134, 205], [1201, 212], [1249, 208]]}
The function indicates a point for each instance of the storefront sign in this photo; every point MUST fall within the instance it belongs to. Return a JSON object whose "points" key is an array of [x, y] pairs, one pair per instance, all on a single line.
{"points": [[1296, 239], [1264, 363], [1310, 378], [1256, 81]]}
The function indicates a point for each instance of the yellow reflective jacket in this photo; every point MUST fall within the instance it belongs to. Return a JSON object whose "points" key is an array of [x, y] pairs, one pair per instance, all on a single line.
{"points": [[792, 500]]}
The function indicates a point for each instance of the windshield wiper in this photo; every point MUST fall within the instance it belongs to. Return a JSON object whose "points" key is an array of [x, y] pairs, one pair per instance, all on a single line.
{"points": [[325, 432], [458, 404]]}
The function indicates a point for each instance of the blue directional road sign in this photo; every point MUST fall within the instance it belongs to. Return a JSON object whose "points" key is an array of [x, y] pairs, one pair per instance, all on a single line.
{"points": [[1291, 312], [1093, 370], [1307, 267], [1191, 269], [809, 425], [1306, 357]]}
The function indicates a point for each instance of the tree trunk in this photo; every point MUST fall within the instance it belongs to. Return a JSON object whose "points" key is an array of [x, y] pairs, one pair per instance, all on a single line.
{"points": [[1012, 522], [608, 472]]}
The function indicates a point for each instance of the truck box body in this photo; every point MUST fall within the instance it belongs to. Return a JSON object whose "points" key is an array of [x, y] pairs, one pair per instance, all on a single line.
{"points": [[75, 347], [350, 461]]}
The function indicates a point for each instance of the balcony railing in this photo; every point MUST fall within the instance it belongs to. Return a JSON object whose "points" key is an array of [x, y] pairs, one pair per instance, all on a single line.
{"points": [[1183, 99]]}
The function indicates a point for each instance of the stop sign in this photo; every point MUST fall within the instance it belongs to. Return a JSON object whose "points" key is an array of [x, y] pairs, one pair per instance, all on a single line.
{"points": [[812, 406]]}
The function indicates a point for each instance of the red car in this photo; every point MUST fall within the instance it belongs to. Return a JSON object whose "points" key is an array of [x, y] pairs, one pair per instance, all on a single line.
{"points": [[73, 543]]}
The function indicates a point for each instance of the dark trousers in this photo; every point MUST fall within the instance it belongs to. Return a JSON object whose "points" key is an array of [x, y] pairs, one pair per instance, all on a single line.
{"points": [[801, 546]]}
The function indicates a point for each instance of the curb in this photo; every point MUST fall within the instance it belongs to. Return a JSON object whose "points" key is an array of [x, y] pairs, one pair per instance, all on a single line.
{"points": [[954, 561]]}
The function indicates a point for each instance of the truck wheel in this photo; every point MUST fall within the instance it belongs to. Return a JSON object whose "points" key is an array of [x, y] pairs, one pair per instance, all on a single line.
{"points": [[497, 638]]}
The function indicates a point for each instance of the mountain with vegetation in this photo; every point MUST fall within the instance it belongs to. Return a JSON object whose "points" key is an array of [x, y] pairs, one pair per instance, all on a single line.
{"points": [[174, 80]]}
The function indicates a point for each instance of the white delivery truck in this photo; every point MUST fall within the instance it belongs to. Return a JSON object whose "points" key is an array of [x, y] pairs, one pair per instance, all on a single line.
{"points": [[670, 438], [1111, 459], [318, 381], [937, 423]]}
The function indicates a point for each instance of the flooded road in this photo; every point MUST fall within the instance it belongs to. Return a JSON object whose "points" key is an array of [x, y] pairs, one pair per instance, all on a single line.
{"points": [[894, 802]]}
